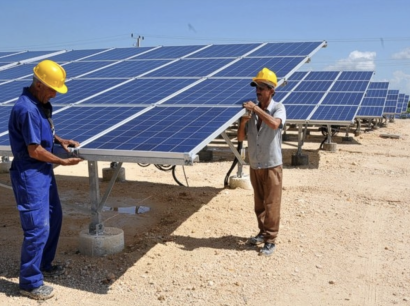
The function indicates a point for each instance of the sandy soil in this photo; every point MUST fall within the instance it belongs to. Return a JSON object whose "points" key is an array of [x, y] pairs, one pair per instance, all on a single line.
{"points": [[344, 237]]}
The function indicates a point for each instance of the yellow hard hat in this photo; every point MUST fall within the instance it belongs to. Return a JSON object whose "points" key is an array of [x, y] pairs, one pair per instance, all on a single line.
{"points": [[265, 76], [51, 74]]}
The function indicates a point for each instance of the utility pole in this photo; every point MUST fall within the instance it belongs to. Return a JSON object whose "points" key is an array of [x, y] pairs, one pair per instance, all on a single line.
{"points": [[139, 39]]}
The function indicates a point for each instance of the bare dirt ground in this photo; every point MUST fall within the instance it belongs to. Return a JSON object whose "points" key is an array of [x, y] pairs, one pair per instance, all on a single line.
{"points": [[344, 237]]}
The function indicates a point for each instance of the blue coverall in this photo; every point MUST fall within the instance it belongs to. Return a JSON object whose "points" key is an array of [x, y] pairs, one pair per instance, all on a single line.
{"points": [[34, 188]]}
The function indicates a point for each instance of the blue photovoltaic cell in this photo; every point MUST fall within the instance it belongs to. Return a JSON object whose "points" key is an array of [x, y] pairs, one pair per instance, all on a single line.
{"points": [[166, 129], [322, 75], [141, 91], [334, 113], [27, 55], [350, 86], [400, 102], [376, 93], [73, 55], [312, 98], [4, 140], [313, 86], [216, 92], [343, 98], [127, 69], [82, 123], [279, 96], [119, 54], [170, 52], [286, 86], [298, 112], [4, 118], [249, 67], [15, 72], [287, 49], [405, 104], [379, 85], [3, 55], [370, 111], [355, 76], [79, 89], [12, 90], [372, 101], [234, 50], [190, 68], [4, 122], [391, 102], [297, 76], [75, 69]]}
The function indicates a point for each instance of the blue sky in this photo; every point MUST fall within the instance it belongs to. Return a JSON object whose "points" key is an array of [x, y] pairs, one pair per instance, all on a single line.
{"points": [[361, 34]]}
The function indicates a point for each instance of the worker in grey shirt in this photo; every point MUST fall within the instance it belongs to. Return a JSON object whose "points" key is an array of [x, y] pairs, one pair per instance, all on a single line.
{"points": [[262, 126]]}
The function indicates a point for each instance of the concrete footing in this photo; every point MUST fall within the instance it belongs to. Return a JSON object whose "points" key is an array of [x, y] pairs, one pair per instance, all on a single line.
{"points": [[240, 182], [300, 159], [347, 139], [4, 167], [108, 172], [331, 147], [285, 137], [111, 241]]}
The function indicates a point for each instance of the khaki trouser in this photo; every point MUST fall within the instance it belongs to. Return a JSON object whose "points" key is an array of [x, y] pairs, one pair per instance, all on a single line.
{"points": [[267, 187]]}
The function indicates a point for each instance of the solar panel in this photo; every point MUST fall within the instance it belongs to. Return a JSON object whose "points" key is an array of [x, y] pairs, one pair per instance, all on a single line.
{"points": [[138, 91], [391, 102], [75, 55], [161, 103], [373, 104], [20, 71], [246, 67], [125, 69], [18, 57], [333, 96], [224, 51], [11, 90]]}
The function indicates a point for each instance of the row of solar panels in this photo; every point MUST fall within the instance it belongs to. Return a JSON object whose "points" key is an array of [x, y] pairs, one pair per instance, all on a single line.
{"points": [[145, 103], [170, 102]]}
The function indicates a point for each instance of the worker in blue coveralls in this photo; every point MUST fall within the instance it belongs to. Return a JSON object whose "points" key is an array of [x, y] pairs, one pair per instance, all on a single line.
{"points": [[32, 137], [263, 128]]}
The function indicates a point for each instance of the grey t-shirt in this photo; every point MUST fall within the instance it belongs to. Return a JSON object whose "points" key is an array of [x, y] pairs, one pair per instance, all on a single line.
{"points": [[265, 145]]}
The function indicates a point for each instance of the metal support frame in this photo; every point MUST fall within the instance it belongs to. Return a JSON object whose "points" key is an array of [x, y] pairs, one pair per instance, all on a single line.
{"points": [[329, 134], [96, 226], [241, 160]]}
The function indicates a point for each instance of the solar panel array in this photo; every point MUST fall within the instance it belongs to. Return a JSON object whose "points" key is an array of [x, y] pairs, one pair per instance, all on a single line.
{"points": [[324, 97], [401, 106], [143, 104], [391, 102], [373, 104]]}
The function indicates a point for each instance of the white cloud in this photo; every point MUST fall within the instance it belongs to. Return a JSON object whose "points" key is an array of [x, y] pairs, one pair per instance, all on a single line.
{"points": [[400, 81], [356, 61], [404, 54]]}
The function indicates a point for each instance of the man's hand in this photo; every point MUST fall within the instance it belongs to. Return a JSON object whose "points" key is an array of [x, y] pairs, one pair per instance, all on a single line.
{"points": [[68, 143], [70, 161]]}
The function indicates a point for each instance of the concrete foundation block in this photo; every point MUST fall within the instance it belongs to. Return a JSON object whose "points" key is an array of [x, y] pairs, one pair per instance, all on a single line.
{"points": [[4, 167], [108, 172], [285, 137], [300, 159], [110, 242], [331, 147], [243, 182]]}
